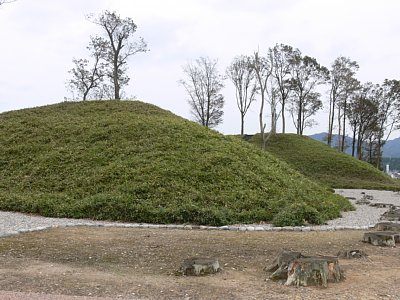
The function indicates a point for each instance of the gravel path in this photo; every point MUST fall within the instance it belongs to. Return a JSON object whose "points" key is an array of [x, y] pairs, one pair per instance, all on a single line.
{"points": [[363, 217]]}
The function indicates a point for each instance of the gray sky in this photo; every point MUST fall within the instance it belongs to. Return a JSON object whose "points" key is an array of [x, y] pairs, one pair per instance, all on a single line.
{"points": [[39, 38]]}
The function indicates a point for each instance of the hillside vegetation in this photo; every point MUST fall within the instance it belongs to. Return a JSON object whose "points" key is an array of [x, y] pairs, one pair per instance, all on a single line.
{"points": [[131, 161], [323, 164]]}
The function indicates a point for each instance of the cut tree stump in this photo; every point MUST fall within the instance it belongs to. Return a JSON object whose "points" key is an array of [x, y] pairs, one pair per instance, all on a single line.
{"points": [[381, 205], [314, 271], [199, 266], [388, 226], [350, 254], [393, 214], [382, 238], [280, 264]]}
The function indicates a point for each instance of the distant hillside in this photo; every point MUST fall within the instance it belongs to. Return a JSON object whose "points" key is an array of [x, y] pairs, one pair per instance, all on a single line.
{"points": [[326, 165], [394, 163], [390, 149], [131, 161]]}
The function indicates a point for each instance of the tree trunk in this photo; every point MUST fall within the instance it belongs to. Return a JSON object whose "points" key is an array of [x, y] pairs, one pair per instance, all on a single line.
{"points": [[379, 154], [339, 139], [344, 127], [273, 120], [353, 143], [299, 113], [283, 118], [359, 144], [241, 124], [262, 125], [331, 120]]}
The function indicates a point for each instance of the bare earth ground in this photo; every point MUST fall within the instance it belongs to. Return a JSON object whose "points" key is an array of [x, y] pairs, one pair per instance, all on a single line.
{"points": [[132, 263]]}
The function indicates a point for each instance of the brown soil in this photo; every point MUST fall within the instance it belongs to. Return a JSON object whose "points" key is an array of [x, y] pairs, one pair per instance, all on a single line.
{"points": [[142, 264]]}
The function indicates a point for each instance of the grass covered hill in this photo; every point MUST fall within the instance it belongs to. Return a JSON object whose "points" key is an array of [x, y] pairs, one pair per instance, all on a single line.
{"points": [[323, 164], [131, 161]]}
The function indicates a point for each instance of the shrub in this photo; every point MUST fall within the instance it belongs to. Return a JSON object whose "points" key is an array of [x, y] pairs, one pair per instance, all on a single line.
{"points": [[297, 214]]}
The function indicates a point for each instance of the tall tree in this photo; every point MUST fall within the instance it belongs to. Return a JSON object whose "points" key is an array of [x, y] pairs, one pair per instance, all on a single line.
{"points": [[342, 84], [118, 45], [203, 85], [307, 74], [282, 58], [263, 69], [242, 76], [85, 80], [387, 98], [363, 115]]}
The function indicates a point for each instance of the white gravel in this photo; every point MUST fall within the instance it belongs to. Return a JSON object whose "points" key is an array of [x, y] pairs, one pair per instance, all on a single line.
{"points": [[364, 217]]}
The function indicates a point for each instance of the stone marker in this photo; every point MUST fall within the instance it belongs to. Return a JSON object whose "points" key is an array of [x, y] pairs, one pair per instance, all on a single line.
{"points": [[199, 266]]}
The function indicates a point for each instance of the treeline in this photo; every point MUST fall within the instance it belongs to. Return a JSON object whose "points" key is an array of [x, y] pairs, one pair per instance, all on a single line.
{"points": [[290, 85], [284, 81]]}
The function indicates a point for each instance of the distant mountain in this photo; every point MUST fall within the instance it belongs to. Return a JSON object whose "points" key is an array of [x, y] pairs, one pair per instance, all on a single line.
{"points": [[390, 149], [321, 137]]}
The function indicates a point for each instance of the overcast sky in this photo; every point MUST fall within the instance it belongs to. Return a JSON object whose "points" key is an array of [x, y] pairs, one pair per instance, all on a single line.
{"points": [[39, 38]]}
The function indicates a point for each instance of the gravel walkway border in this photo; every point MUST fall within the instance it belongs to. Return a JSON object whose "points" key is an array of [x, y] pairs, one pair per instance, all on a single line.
{"points": [[363, 218]]}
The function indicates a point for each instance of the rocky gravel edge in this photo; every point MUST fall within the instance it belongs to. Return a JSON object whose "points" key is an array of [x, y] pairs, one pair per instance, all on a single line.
{"points": [[363, 217]]}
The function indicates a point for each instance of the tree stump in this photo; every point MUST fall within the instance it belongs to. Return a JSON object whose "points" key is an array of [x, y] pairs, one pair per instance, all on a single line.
{"points": [[280, 264], [388, 226], [350, 254], [381, 205], [199, 266], [363, 201], [314, 271], [382, 238], [393, 214]]}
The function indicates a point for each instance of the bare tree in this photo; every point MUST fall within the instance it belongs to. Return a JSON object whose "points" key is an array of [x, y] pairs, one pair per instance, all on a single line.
{"points": [[307, 74], [263, 69], [342, 85], [282, 57], [308, 106], [118, 45], [203, 85], [242, 76], [85, 80], [387, 96], [363, 117]]}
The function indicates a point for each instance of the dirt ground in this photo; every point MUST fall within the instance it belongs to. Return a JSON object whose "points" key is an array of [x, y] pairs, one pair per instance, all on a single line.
{"points": [[123, 263]]}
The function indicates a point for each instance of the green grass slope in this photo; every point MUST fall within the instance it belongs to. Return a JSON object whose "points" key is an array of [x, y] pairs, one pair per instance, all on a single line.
{"points": [[131, 161], [323, 164]]}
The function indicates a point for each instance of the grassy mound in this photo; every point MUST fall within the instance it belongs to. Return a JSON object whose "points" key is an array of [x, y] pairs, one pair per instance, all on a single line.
{"points": [[323, 164], [131, 161]]}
